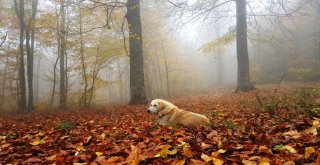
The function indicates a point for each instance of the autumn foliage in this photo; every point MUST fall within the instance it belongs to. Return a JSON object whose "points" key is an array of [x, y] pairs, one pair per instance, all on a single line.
{"points": [[240, 133]]}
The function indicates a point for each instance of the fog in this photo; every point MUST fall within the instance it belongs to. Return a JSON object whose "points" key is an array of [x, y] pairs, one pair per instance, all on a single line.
{"points": [[185, 49]]}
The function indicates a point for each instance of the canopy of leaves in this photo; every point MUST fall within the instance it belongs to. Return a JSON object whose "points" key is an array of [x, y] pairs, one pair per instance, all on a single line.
{"points": [[218, 44]]}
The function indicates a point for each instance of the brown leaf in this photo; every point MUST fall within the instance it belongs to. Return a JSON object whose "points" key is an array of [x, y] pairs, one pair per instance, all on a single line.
{"points": [[212, 134], [264, 149], [205, 146], [51, 158], [197, 162], [32, 160]]}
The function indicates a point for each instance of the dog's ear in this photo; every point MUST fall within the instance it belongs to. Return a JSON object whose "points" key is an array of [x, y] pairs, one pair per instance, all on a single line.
{"points": [[161, 106]]}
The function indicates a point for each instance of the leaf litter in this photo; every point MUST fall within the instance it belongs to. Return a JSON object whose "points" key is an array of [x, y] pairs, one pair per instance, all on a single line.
{"points": [[239, 134]]}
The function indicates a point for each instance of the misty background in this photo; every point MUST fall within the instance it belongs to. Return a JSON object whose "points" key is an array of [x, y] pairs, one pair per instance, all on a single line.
{"points": [[189, 47]]}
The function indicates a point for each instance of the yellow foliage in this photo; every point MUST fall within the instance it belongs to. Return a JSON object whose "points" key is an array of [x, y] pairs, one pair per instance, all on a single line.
{"points": [[218, 44]]}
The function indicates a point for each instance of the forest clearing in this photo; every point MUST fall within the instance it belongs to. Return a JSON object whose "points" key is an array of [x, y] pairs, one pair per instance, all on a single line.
{"points": [[284, 129]]}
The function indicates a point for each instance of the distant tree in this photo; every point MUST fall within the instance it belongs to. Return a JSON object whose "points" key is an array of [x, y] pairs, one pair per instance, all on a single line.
{"points": [[19, 9], [137, 82], [62, 51]]}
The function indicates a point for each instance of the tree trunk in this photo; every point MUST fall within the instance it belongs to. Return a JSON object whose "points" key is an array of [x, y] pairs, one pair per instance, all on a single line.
{"points": [[37, 80], [137, 84], [166, 69], [244, 83], [29, 69], [4, 80], [22, 79], [30, 51], [84, 71], [62, 96]]}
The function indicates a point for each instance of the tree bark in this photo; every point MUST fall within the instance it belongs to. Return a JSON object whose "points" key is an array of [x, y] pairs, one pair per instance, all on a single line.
{"points": [[244, 83], [137, 83], [62, 96], [22, 107]]}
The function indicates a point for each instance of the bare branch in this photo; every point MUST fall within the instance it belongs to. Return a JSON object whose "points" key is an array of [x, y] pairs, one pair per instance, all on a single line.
{"points": [[5, 37]]}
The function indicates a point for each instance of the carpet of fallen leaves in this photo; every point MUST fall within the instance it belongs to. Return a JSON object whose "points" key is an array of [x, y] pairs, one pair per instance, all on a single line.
{"points": [[240, 134]]}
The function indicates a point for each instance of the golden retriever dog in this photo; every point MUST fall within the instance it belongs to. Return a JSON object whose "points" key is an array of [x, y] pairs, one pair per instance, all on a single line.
{"points": [[170, 114]]}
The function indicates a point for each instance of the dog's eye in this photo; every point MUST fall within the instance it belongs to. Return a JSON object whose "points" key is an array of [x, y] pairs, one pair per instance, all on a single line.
{"points": [[154, 105]]}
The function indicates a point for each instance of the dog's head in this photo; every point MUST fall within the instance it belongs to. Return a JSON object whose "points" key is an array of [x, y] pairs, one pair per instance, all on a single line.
{"points": [[156, 106]]}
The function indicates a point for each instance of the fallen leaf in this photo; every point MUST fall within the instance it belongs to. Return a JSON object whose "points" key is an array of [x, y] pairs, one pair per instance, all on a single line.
{"points": [[133, 155], [178, 162], [206, 158], [51, 158], [204, 146], [264, 161], [316, 123], [292, 133], [197, 162], [37, 142], [99, 153], [212, 134], [249, 162], [308, 151], [102, 136], [32, 160], [264, 149], [290, 149], [187, 152], [217, 161], [312, 131], [289, 163], [114, 159]]}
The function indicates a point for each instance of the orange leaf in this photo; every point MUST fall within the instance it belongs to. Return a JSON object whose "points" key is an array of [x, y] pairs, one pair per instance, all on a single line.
{"points": [[308, 151], [249, 162], [178, 162], [217, 161], [187, 152]]}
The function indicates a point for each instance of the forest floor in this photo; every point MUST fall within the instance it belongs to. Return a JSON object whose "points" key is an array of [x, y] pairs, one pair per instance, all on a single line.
{"points": [[272, 125]]}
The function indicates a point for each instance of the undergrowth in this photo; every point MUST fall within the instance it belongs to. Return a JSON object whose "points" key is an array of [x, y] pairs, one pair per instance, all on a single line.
{"points": [[304, 100]]}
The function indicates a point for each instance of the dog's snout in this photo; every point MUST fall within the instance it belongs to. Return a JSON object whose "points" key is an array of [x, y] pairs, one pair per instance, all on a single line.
{"points": [[148, 110]]}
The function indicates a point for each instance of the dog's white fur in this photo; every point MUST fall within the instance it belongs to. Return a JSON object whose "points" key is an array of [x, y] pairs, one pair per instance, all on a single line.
{"points": [[170, 114]]}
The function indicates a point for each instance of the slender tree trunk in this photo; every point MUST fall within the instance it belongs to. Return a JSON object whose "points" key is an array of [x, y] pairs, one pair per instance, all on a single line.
{"points": [[220, 69], [84, 71], [95, 73], [62, 96], [54, 83], [4, 80], [244, 83], [166, 69], [137, 84], [22, 79], [37, 80], [160, 89], [120, 80], [29, 70]]}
